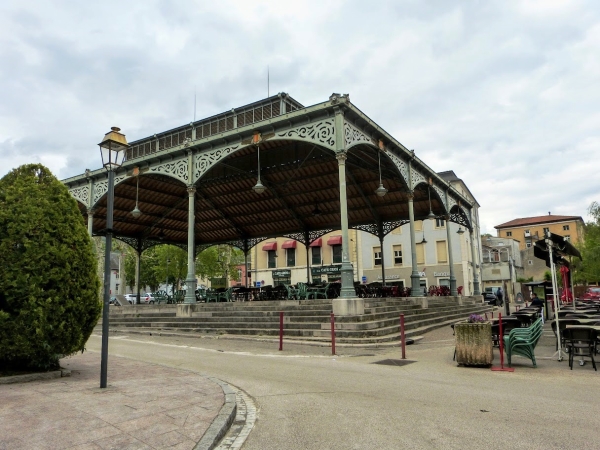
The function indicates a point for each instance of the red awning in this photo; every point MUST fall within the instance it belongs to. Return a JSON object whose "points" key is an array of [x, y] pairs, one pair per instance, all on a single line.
{"points": [[317, 243], [270, 246], [289, 244], [334, 240]]}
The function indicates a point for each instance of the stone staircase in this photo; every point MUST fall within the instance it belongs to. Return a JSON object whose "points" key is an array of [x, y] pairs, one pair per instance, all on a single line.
{"points": [[304, 320]]}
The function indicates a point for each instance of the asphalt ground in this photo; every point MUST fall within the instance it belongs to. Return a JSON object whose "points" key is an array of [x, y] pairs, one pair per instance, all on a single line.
{"points": [[163, 393]]}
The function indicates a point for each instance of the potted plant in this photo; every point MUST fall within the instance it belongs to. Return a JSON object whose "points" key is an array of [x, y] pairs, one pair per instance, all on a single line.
{"points": [[474, 342]]}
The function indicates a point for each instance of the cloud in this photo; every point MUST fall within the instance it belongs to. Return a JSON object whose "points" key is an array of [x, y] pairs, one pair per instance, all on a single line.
{"points": [[503, 93]]}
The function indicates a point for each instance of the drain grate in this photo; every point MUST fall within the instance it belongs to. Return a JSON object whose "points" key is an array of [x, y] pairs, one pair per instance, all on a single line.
{"points": [[393, 362]]}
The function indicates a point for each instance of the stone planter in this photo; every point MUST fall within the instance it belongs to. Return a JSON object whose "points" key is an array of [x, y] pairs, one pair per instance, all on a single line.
{"points": [[474, 344]]}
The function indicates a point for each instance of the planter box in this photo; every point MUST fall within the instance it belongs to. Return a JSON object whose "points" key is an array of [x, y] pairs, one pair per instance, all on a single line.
{"points": [[474, 344]]}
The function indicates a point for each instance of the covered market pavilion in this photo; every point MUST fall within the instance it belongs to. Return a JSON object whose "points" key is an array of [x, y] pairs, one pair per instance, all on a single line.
{"points": [[269, 169]]}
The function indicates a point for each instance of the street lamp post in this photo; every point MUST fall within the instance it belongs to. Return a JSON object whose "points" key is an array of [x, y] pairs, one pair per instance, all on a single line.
{"points": [[112, 150]]}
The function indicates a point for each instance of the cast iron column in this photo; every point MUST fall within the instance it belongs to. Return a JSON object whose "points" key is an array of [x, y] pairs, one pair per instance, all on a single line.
{"points": [[415, 279], [347, 271], [476, 290], [190, 293], [90, 224], [382, 259], [453, 290]]}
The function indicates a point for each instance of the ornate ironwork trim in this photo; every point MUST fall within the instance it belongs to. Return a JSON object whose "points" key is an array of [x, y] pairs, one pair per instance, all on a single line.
{"points": [[442, 196], [81, 194], [205, 160], [321, 133], [353, 136], [400, 165], [417, 178], [177, 169], [101, 187]]}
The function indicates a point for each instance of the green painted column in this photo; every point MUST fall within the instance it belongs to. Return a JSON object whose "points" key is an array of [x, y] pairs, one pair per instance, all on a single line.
{"points": [[476, 288], [347, 272], [190, 293], [90, 224], [453, 290], [415, 279]]}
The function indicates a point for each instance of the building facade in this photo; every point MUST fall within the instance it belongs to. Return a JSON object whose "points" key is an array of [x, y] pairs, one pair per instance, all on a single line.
{"points": [[501, 265], [527, 230]]}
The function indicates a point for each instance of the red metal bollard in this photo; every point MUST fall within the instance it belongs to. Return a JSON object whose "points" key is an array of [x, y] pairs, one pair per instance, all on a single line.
{"points": [[332, 334], [402, 339], [280, 330], [501, 339]]}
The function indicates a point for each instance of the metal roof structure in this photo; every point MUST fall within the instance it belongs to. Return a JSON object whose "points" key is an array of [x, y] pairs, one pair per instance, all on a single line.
{"points": [[299, 149]]}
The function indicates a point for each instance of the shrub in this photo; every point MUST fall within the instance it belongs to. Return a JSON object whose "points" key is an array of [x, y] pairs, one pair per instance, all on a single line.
{"points": [[49, 287]]}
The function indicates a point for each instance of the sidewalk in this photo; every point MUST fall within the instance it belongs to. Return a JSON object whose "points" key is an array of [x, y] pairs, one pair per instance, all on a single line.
{"points": [[145, 406]]}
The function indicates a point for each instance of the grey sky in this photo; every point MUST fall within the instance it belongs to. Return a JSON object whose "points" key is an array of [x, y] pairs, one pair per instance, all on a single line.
{"points": [[504, 93]]}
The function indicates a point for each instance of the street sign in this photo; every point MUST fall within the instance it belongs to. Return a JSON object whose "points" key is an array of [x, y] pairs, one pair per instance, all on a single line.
{"points": [[364, 279]]}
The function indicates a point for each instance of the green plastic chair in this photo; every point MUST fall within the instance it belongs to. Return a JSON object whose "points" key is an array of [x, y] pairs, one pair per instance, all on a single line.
{"points": [[522, 341]]}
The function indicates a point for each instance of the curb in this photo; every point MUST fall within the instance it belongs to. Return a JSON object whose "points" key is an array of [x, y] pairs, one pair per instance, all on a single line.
{"points": [[35, 376], [219, 427]]}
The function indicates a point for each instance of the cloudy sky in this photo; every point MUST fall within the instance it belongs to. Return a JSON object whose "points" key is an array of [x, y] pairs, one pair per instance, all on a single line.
{"points": [[505, 93]]}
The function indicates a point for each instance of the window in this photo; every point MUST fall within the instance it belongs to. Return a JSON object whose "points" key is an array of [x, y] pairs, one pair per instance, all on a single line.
{"points": [[565, 227], [291, 257], [528, 244], [508, 233], [567, 237], [442, 252], [530, 262], [316, 255], [420, 253], [336, 252], [397, 255], [377, 256], [271, 259], [239, 275], [546, 230], [418, 225], [440, 223]]}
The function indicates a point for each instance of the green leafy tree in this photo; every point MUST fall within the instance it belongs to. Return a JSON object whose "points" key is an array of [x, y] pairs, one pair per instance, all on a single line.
{"points": [[149, 269], [219, 262], [588, 269], [49, 287], [175, 270]]}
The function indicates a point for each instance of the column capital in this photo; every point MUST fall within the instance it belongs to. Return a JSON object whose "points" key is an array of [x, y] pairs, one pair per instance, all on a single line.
{"points": [[191, 190], [91, 211], [411, 195], [341, 157]]}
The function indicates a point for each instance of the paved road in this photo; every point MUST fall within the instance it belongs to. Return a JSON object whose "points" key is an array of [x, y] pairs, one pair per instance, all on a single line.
{"points": [[308, 399]]}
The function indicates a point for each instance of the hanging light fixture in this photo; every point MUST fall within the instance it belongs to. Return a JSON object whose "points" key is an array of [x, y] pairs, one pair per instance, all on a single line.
{"points": [[316, 211], [460, 230], [424, 241], [259, 188], [136, 211], [380, 191], [431, 215], [161, 234]]}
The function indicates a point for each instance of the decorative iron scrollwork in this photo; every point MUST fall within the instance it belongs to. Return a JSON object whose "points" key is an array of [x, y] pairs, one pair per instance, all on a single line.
{"points": [[176, 169], [81, 194], [322, 133], [400, 165], [204, 161], [101, 187], [353, 136]]}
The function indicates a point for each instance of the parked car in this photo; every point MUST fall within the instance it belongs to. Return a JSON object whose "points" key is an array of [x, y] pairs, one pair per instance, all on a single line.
{"points": [[131, 298], [592, 293], [491, 299], [112, 301], [148, 298]]}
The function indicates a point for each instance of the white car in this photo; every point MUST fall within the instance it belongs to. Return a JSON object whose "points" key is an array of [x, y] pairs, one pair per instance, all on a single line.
{"points": [[147, 298], [131, 298]]}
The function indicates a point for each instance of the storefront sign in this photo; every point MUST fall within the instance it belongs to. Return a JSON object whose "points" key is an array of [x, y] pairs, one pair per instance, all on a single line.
{"points": [[282, 273], [441, 274], [328, 270], [390, 277]]}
